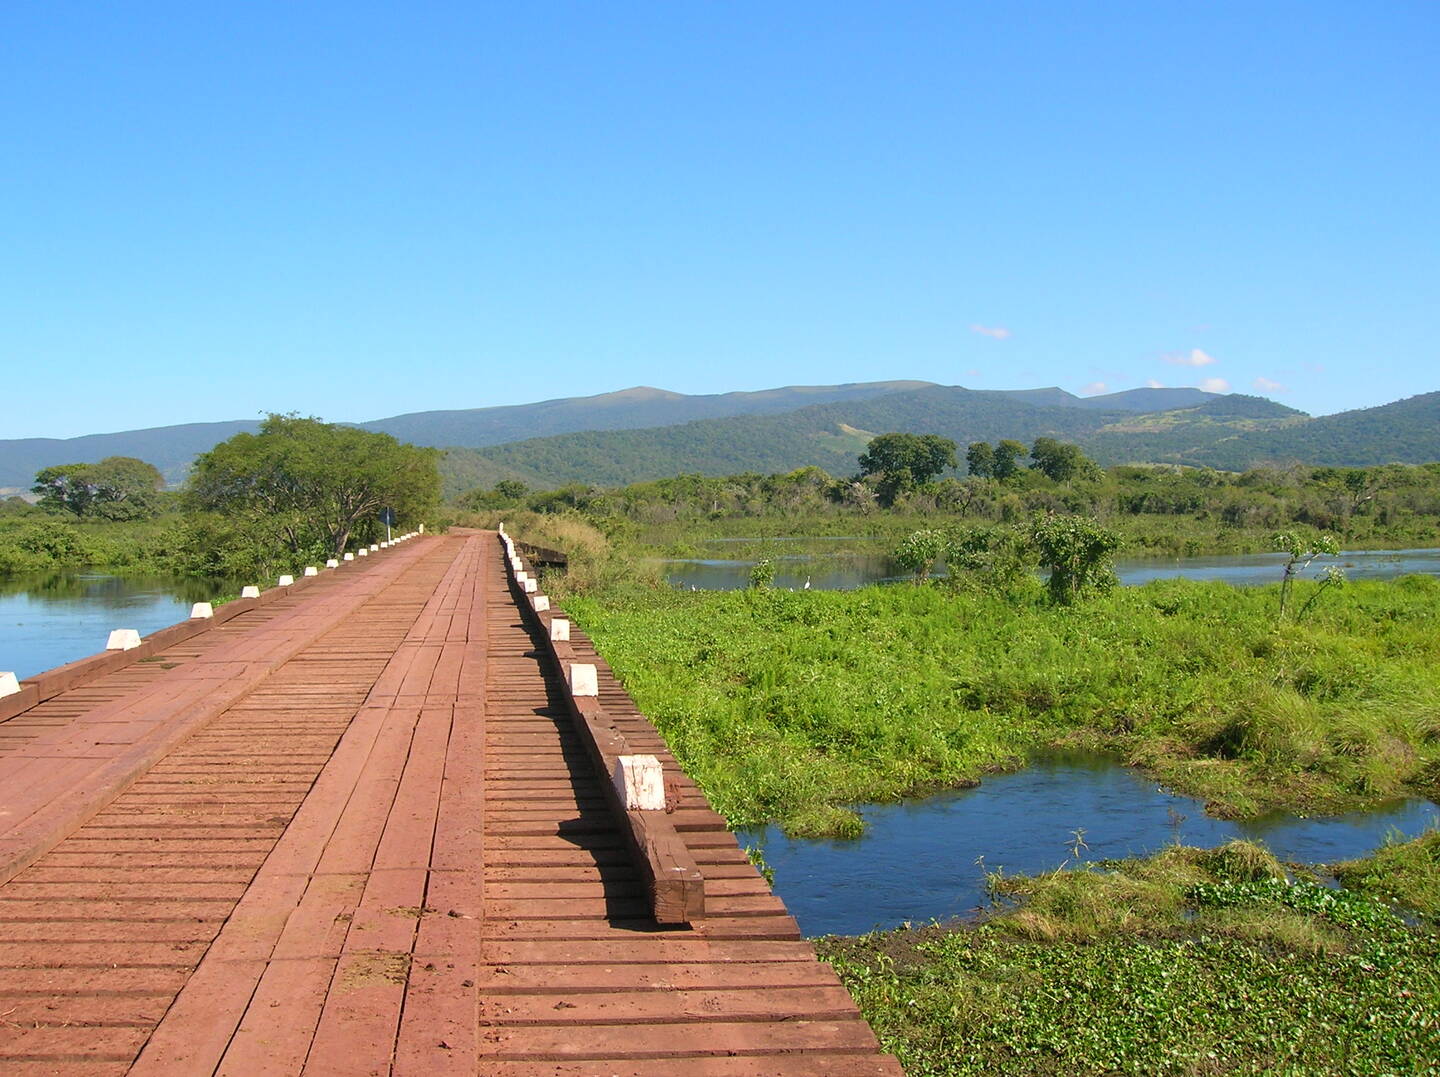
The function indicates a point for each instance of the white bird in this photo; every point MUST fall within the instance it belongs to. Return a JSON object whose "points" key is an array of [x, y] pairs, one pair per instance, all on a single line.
{"points": [[807, 584]]}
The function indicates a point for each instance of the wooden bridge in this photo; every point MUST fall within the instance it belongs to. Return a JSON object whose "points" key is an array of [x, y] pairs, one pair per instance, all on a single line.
{"points": [[366, 824]]}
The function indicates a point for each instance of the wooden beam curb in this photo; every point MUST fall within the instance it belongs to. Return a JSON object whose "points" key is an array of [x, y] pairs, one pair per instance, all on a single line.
{"points": [[673, 879]]}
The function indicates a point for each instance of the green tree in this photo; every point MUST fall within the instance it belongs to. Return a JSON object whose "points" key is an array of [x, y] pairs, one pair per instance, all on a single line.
{"points": [[1059, 460], [980, 458], [312, 485], [1078, 551], [919, 551], [1008, 455], [116, 488], [924, 456], [63, 488], [1301, 551]]}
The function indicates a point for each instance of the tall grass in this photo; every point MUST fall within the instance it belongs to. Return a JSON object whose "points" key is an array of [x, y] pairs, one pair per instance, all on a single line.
{"points": [[787, 706]]}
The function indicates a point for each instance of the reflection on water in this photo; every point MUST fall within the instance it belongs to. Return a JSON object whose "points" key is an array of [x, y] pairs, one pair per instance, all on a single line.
{"points": [[50, 618], [846, 573], [920, 859]]}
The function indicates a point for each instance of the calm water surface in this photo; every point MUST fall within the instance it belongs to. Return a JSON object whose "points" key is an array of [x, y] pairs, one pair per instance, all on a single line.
{"points": [[918, 859], [50, 618], [847, 573]]}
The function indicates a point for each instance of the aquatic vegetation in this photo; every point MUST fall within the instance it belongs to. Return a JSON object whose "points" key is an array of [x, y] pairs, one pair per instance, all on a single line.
{"points": [[1177, 964], [779, 703]]}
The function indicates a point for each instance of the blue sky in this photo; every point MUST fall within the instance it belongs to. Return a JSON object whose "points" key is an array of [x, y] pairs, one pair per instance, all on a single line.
{"points": [[360, 209]]}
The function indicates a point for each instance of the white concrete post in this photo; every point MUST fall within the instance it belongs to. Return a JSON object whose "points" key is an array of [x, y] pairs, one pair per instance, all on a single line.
{"points": [[334, 562], [286, 580], [311, 570], [584, 681], [560, 629], [521, 577], [531, 586], [422, 529], [123, 639], [348, 557], [362, 552], [8, 685], [249, 591], [201, 611], [374, 547], [639, 782], [541, 603]]}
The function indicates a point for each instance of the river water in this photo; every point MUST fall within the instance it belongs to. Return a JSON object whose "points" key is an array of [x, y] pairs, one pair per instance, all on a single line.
{"points": [[50, 618], [925, 859], [845, 573]]}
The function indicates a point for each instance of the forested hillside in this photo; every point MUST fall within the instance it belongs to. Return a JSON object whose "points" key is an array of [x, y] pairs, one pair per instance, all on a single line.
{"points": [[830, 436]]}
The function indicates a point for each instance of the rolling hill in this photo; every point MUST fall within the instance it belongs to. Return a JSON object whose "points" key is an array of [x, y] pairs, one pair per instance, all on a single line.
{"points": [[627, 409], [604, 440], [173, 448], [832, 435]]}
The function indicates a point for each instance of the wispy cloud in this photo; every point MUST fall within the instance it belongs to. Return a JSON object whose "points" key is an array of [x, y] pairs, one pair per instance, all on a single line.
{"points": [[1214, 385], [1095, 388], [1265, 385], [996, 332], [972, 373], [1194, 357], [1151, 383]]}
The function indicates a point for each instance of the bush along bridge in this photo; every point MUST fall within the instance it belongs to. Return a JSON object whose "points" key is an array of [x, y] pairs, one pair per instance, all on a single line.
{"points": [[393, 816]]}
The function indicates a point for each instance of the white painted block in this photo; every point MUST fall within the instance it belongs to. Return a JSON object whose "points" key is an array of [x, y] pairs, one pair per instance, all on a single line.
{"points": [[201, 611], [286, 580], [374, 547], [560, 629], [531, 586], [348, 557], [584, 681], [311, 570], [640, 782], [422, 529], [249, 591], [521, 577], [334, 562], [8, 685], [362, 552], [123, 639], [541, 603]]}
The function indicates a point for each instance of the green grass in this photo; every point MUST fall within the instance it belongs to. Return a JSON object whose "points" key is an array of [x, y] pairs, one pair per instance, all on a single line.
{"points": [[1191, 962], [790, 706]]}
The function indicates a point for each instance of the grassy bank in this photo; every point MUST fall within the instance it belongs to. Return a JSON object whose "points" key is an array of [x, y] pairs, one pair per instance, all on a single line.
{"points": [[1142, 535], [789, 706], [1192, 962]]}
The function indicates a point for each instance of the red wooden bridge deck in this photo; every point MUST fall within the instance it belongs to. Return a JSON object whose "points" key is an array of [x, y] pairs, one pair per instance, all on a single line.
{"points": [[357, 828]]}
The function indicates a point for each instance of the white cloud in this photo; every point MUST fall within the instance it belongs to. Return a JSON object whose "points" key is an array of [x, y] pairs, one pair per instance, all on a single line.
{"points": [[1095, 388], [972, 373], [1265, 385], [1214, 385], [995, 331], [1151, 383], [1195, 358]]}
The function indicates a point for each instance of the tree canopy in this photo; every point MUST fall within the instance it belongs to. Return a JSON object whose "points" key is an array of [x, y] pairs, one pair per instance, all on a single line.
{"points": [[924, 456], [1060, 461], [315, 485], [116, 488]]}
